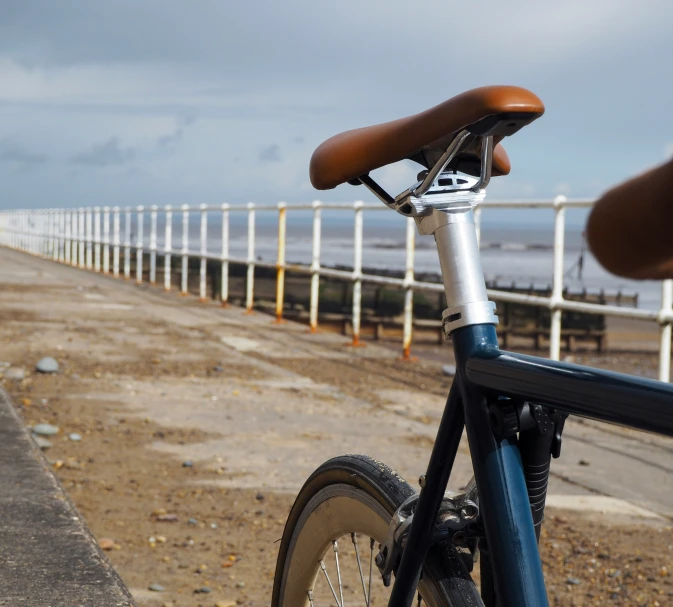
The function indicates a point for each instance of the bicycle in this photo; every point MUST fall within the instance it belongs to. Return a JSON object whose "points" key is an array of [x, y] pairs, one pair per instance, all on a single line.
{"points": [[512, 406]]}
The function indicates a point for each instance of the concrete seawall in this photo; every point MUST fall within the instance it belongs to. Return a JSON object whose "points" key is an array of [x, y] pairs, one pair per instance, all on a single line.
{"points": [[48, 557]]}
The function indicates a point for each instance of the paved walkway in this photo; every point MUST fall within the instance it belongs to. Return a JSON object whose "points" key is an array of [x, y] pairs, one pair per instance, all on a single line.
{"points": [[287, 400]]}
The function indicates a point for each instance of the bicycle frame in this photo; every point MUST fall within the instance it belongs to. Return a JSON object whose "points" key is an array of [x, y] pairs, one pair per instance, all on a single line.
{"points": [[485, 374]]}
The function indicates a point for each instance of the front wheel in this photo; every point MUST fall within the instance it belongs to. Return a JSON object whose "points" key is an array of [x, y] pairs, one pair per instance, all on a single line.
{"points": [[332, 536]]}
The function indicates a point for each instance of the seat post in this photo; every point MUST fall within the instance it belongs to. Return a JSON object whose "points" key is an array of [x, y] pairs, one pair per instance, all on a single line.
{"points": [[464, 285]]}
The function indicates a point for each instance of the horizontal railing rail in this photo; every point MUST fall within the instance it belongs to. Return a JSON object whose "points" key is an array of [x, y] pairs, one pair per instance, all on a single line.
{"points": [[85, 237]]}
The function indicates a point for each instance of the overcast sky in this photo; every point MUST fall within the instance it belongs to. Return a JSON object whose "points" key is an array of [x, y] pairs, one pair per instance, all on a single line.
{"points": [[169, 102]]}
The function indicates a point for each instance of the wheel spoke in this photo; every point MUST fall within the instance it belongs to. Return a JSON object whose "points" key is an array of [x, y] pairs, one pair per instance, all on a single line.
{"points": [[310, 598], [336, 558], [324, 570], [371, 564], [362, 577]]}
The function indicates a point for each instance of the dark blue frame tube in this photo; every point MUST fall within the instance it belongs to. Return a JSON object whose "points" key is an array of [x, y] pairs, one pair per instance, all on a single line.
{"points": [[503, 498], [642, 404], [436, 478]]}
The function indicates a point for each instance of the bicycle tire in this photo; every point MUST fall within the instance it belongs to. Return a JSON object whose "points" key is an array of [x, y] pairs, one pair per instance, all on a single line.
{"points": [[355, 493]]}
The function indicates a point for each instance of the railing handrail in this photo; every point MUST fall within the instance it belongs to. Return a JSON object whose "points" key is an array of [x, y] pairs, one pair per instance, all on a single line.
{"points": [[74, 236]]}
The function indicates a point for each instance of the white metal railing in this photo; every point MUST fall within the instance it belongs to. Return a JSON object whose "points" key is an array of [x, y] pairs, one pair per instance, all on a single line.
{"points": [[73, 236]]}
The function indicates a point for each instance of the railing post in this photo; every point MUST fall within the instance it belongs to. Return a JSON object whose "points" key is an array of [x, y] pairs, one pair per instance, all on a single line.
{"points": [[224, 294], [71, 223], [58, 234], [204, 252], [250, 279], [73, 237], [30, 225], [46, 233], [280, 261], [315, 267], [557, 288], [357, 272], [68, 240], [185, 249], [81, 237], [31, 232], [70, 231], [115, 241], [127, 243], [89, 239], [46, 229], [97, 239], [168, 245], [106, 240], [53, 223], [41, 240], [61, 236], [409, 293], [665, 335], [153, 244], [139, 244]]}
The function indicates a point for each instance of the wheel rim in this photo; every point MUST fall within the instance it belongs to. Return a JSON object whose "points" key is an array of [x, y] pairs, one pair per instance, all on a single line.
{"points": [[331, 555]]}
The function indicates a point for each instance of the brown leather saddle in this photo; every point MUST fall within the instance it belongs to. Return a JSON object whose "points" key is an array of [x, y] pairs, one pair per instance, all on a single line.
{"points": [[491, 110]]}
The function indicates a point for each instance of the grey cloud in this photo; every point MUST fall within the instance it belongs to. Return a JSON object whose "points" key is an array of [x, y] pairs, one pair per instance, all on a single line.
{"points": [[11, 153], [312, 41], [299, 139], [108, 153], [183, 123], [270, 153]]}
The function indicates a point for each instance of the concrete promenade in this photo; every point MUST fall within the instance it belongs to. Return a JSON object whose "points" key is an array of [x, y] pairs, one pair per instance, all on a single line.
{"points": [[298, 404], [275, 400]]}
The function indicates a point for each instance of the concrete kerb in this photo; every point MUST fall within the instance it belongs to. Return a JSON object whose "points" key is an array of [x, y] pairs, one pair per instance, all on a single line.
{"points": [[48, 556]]}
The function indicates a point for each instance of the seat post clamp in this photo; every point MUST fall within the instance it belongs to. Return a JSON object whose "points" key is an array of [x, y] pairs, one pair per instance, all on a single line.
{"points": [[473, 313]]}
